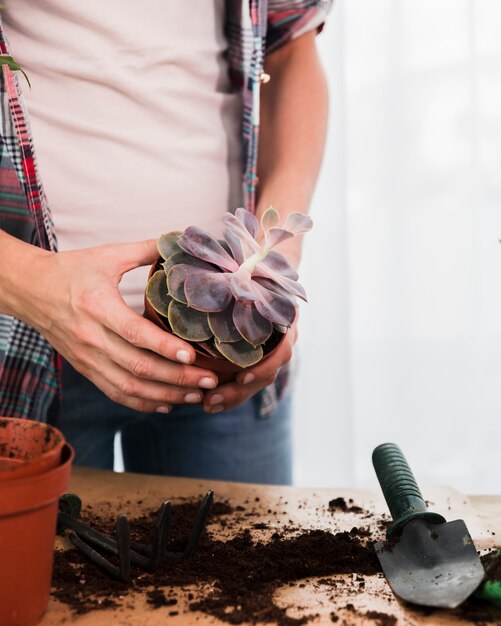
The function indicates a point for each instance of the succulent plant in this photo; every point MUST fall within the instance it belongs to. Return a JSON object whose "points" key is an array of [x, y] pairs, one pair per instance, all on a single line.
{"points": [[229, 296]]}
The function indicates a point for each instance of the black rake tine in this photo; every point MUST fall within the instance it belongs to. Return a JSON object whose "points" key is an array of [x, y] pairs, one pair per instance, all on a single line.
{"points": [[89, 534], [94, 556], [199, 524], [161, 535], [122, 546], [162, 532], [100, 540], [123, 543]]}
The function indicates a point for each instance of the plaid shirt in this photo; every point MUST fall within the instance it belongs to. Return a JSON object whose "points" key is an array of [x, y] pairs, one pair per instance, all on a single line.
{"points": [[29, 366]]}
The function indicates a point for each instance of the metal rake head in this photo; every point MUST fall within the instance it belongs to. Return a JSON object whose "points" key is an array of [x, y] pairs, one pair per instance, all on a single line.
{"points": [[148, 557]]}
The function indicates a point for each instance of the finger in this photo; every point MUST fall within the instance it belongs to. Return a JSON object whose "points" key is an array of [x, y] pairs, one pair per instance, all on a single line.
{"points": [[145, 364], [230, 395], [131, 402], [142, 333], [269, 366], [121, 386], [136, 254]]}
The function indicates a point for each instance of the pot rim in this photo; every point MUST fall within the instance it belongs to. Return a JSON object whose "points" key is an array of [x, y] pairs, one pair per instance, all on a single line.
{"points": [[46, 460], [35, 492]]}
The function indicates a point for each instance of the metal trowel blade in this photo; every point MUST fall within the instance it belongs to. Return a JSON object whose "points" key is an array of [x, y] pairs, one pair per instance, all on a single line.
{"points": [[432, 564]]}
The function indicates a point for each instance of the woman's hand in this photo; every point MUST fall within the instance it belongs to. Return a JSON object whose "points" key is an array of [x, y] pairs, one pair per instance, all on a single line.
{"points": [[72, 299], [251, 380]]}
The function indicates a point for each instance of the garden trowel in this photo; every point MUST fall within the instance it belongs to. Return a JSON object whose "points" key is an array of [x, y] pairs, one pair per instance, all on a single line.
{"points": [[425, 559]]}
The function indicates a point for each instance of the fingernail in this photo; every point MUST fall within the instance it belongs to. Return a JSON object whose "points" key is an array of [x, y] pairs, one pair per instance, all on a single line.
{"points": [[192, 398], [164, 409], [216, 409], [248, 378], [207, 383], [183, 356], [216, 399]]}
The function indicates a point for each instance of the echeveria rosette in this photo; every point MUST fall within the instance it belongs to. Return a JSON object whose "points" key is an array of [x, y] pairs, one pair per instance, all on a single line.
{"points": [[229, 296]]}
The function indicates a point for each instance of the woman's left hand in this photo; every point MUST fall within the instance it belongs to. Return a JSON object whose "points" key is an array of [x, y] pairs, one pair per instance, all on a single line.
{"points": [[250, 380]]}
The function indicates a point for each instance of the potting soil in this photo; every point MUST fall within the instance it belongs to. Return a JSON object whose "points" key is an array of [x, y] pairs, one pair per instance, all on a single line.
{"points": [[234, 579]]}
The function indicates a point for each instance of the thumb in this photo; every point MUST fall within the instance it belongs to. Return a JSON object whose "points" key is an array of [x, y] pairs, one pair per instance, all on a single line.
{"points": [[137, 254]]}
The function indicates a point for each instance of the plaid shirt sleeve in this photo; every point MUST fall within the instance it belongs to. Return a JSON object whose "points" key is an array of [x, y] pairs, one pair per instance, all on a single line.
{"points": [[28, 363], [289, 19]]}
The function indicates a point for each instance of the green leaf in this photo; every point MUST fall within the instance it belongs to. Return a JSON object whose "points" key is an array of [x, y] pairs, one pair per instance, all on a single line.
{"points": [[8, 60], [241, 353], [187, 323], [167, 244], [157, 294]]}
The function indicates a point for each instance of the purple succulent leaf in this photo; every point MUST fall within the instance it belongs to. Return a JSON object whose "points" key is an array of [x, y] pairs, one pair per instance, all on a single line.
{"points": [[241, 353], [271, 285], [242, 286], [276, 235], [167, 244], [275, 307], [235, 226], [290, 286], [222, 326], [187, 323], [200, 244], [157, 294], [176, 277], [208, 347], [269, 219], [184, 258], [249, 220], [235, 246], [278, 263], [298, 223], [253, 327], [207, 291], [224, 245], [280, 329]]}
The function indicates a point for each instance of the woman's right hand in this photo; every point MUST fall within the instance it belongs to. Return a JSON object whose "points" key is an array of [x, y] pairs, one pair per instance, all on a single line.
{"points": [[72, 299]]}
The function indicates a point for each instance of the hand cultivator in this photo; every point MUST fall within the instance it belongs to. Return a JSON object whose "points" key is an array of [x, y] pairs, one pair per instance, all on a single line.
{"points": [[91, 542]]}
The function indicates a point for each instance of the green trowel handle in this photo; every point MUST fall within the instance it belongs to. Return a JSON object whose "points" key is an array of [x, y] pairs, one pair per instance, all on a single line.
{"points": [[400, 489], [490, 589]]}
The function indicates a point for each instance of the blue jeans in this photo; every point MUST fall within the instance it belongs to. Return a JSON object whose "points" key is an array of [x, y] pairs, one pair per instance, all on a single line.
{"points": [[236, 445]]}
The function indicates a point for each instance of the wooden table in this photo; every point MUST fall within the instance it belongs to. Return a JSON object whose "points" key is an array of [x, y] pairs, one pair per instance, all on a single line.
{"points": [[481, 513]]}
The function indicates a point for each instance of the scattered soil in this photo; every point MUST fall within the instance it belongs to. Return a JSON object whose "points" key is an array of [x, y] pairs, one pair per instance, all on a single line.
{"points": [[492, 564], [340, 504], [235, 579], [381, 619], [377, 617], [157, 598]]}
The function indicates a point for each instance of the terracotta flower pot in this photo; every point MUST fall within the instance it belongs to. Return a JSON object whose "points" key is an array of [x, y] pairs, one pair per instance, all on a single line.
{"points": [[28, 448], [225, 370], [28, 514]]}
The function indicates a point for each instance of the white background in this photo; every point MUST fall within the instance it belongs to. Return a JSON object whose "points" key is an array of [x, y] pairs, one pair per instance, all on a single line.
{"points": [[401, 339]]}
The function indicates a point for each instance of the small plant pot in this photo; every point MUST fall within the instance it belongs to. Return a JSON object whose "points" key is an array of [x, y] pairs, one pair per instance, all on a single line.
{"points": [[28, 515], [28, 448], [225, 370]]}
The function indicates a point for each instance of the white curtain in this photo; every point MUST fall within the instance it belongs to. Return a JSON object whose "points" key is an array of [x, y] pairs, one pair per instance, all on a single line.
{"points": [[401, 338]]}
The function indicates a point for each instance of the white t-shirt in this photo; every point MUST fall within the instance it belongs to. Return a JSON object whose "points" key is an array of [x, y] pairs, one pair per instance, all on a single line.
{"points": [[135, 123]]}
